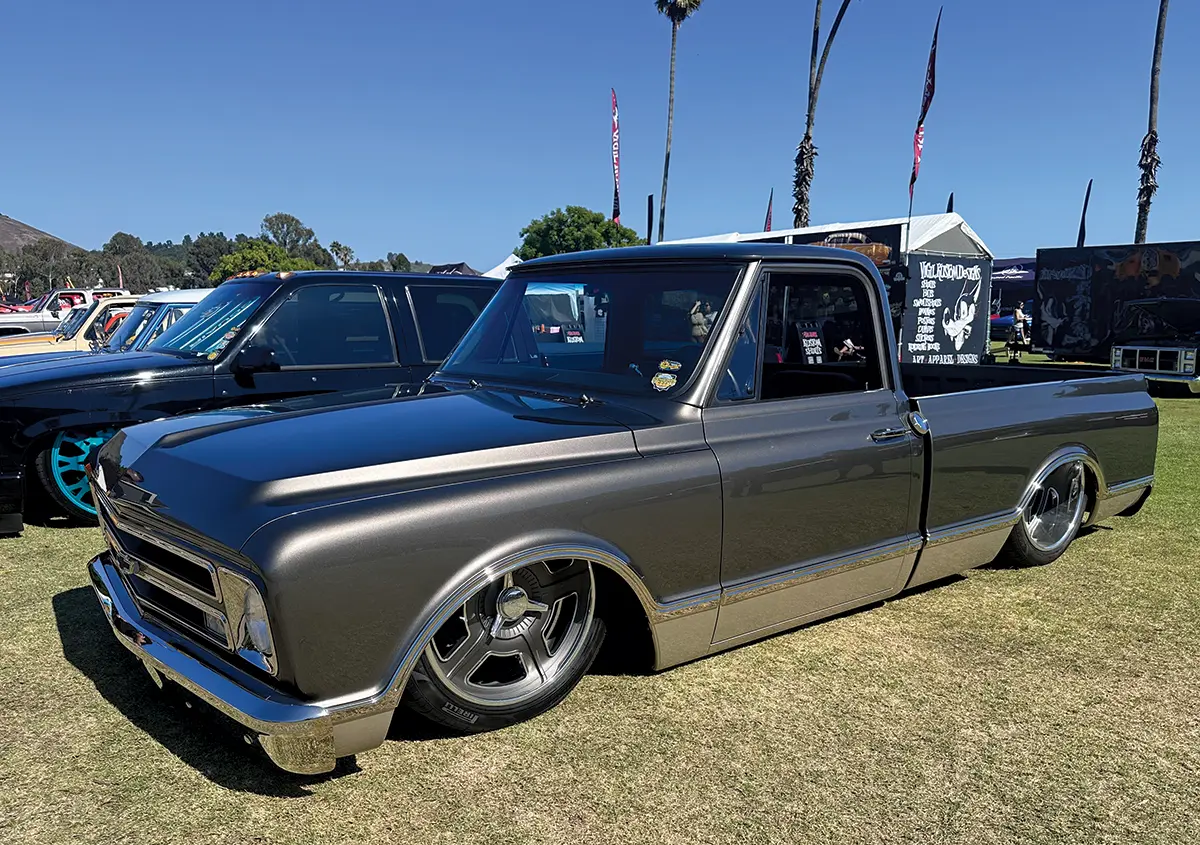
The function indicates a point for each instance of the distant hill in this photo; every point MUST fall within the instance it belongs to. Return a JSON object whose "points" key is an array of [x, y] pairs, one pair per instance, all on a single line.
{"points": [[14, 234]]}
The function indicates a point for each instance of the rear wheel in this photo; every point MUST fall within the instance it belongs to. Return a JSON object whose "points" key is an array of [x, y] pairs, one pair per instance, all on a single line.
{"points": [[1050, 519], [512, 651], [60, 468]]}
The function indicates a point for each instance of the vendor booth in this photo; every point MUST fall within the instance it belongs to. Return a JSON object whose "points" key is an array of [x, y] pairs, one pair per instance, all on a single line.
{"points": [[1012, 282], [937, 271]]}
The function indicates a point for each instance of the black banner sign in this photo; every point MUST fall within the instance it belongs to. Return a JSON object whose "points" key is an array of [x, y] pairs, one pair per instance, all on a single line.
{"points": [[946, 313], [1087, 298]]}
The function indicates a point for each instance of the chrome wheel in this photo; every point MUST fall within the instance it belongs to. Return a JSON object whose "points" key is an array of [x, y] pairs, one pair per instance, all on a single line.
{"points": [[1054, 511], [516, 636]]}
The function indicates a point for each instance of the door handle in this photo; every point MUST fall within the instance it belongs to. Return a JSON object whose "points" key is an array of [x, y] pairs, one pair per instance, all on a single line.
{"points": [[887, 435]]}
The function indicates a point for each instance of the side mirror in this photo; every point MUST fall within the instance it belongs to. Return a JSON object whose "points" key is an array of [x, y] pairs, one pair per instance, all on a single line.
{"points": [[55, 313], [255, 359]]}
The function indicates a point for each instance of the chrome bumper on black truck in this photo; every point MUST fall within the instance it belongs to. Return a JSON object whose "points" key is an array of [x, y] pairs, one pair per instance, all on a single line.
{"points": [[299, 737]]}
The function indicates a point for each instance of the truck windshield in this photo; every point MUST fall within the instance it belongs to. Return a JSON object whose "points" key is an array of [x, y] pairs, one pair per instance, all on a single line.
{"points": [[640, 330], [74, 320], [209, 327]]}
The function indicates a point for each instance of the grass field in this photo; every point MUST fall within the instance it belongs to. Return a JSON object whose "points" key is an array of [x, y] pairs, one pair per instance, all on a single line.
{"points": [[1059, 704]]}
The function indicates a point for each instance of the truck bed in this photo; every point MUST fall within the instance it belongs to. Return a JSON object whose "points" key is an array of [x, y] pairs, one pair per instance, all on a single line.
{"points": [[941, 379], [985, 446]]}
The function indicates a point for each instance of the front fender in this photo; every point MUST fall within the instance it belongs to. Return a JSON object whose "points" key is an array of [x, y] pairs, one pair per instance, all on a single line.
{"points": [[354, 591]]}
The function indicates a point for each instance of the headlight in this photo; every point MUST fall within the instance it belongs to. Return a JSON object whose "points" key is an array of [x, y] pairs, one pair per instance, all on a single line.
{"points": [[1116, 357], [257, 628], [1189, 361], [248, 621]]}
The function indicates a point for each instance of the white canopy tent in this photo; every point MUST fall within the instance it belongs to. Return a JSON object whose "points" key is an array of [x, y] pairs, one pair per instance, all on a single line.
{"points": [[500, 271], [939, 234]]}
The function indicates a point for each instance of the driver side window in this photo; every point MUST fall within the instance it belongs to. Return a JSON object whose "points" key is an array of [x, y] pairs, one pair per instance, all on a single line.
{"points": [[820, 337], [329, 326]]}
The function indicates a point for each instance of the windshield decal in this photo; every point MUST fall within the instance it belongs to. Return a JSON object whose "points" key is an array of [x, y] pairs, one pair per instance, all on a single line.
{"points": [[669, 366], [663, 381]]}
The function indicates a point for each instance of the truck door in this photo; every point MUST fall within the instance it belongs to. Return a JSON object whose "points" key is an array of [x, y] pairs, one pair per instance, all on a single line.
{"points": [[325, 338], [817, 462]]}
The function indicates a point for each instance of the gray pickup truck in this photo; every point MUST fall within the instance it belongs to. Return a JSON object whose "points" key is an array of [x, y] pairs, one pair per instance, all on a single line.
{"points": [[49, 309], [725, 448]]}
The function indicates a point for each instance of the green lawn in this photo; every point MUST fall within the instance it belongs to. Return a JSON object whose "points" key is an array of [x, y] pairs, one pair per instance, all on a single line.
{"points": [[1051, 705]]}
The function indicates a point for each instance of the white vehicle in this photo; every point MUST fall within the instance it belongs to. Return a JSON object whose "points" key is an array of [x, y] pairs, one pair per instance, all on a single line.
{"points": [[49, 309]]}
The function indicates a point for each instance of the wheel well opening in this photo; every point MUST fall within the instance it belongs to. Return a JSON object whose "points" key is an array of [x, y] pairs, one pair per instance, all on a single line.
{"points": [[1091, 489], [628, 644]]}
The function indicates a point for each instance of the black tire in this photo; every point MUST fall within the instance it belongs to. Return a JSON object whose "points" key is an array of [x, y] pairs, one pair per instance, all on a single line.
{"points": [[1067, 484], [511, 651]]}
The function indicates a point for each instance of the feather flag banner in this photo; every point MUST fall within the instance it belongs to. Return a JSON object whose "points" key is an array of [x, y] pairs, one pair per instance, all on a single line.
{"points": [[616, 156], [770, 206], [926, 102]]}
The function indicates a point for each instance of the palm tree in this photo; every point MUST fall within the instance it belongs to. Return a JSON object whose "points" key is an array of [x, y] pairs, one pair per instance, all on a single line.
{"points": [[806, 153], [1149, 160], [342, 253], [678, 11]]}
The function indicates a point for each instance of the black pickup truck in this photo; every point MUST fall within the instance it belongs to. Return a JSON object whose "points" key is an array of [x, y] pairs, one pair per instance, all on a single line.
{"points": [[273, 336]]}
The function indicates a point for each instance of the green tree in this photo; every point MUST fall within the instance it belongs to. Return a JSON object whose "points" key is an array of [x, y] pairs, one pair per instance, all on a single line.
{"points": [[342, 254], [377, 266], [1149, 161], [677, 11], [122, 243], [206, 252], [806, 153], [257, 256], [573, 230], [287, 231], [399, 262], [316, 254]]}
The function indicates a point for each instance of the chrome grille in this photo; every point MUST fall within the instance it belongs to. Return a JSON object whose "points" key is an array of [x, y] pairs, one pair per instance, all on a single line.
{"points": [[1145, 359], [168, 584]]}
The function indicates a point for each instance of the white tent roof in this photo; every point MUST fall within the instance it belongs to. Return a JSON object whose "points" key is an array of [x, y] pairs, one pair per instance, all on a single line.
{"points": [[500, 271], [947, 234]]}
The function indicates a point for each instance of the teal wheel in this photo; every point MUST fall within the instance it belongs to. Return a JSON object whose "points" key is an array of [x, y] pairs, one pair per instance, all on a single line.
{"points": [[61, 470]]}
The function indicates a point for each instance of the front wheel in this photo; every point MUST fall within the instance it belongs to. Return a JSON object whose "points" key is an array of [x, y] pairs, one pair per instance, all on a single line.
{"points": [[512, 651], [1050, 519], [60, 468]]}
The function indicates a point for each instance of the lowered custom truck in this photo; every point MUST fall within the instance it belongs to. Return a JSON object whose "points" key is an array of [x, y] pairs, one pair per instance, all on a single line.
{"points": [[462, 546]]}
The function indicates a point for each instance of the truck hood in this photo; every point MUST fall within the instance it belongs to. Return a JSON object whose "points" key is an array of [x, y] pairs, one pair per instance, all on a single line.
{"points": [[39, 357], [221, 475], [49, 371]]}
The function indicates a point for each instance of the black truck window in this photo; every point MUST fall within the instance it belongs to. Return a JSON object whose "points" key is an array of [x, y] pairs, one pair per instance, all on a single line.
{"points": [[443, 313], [330, 325], [820, 337]]}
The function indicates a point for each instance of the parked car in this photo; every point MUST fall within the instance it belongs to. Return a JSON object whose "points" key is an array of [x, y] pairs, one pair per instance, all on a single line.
{"points": [[48, 309], [150, 316], [252, 339], [83, 329], [306, 568]]}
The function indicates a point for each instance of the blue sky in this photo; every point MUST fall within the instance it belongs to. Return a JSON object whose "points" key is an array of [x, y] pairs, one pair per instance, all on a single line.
{"points": [[439, 129]]}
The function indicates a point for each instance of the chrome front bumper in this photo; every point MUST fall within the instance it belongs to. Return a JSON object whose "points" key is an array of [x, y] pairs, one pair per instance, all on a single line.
{"points": [[298, 737]]}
